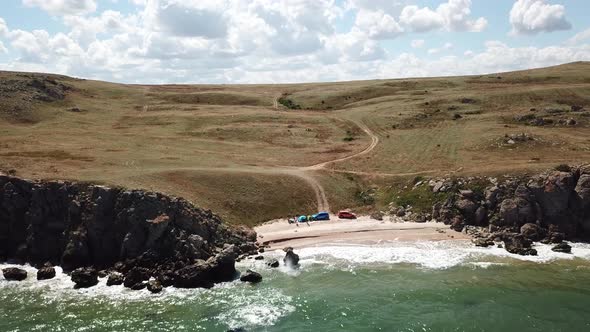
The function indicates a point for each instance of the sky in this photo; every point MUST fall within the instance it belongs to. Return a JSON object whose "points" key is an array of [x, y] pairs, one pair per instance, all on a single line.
{"points": [[280, 41]]}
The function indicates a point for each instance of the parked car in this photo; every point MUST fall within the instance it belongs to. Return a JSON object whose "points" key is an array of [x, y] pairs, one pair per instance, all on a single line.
{"points": [[302, 219], [321, 216], [346, 215]]}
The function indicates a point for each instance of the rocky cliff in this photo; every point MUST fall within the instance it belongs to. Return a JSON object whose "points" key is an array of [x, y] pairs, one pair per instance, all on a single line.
{"points": [[549, 207], [82, 225]]}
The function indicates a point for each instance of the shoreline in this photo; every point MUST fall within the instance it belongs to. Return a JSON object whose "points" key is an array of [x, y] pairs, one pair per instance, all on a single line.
{"points": [[277, 234]]}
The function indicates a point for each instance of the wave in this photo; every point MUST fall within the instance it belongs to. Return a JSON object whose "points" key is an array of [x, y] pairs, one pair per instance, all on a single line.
{"points": [[431, 254]]}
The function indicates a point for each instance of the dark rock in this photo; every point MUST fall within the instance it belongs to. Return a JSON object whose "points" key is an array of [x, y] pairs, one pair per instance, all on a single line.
{"points": [[400, 212], [273, 263], [154, 286], [532, 232], [259, 258], [138, 286], [563, 247], [482, 242], [457, 224], [115, 278], [291, 258], [518, 244], [14, 274], [251, 276], [419, 217], [47, 272], [261, 250], [84, 277], [135, 276], [194, 276]]}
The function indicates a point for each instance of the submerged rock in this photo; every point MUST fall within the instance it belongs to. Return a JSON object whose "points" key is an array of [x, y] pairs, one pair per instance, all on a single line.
{"points": [[251, 276], [482, 242], [14, 274], [84, 277]]}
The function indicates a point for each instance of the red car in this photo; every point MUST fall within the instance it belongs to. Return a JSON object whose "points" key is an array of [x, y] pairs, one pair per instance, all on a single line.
{"points": [[346, 215]]}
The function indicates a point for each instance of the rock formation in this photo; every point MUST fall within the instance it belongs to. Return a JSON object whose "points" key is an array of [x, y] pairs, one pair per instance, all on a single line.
{"points": [[136, 233], [549, 207]]}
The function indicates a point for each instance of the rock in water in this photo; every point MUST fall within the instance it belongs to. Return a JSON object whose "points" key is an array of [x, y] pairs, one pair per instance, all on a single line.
{"points": [[273, 263], [251, 276], [518, 244], [291, 258], [45, 273], [134, 277], [154, 286], [532, 232], [563, 247], [14, 274], [483, 242], [84, 277], [115, 278], [259, 257]]}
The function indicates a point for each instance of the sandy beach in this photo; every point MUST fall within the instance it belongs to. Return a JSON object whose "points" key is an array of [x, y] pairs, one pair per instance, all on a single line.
{"points": [[364, 230]]}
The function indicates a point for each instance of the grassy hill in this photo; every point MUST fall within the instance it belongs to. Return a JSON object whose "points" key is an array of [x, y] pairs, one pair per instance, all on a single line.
{"points": [[241, 149]]}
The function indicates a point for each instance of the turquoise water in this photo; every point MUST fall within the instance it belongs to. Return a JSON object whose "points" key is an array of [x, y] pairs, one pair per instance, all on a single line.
{"points": [[401, 287]]}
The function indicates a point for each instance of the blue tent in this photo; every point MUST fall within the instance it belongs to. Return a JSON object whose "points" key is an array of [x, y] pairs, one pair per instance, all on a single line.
{"points": [[302, 219]]}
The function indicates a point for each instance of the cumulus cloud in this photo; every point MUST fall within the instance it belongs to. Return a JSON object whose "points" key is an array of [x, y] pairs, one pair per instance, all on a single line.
{"points": [[377, 24], [534, 16], [265, 41], [417, 43], [63, 7], [380, 23], [453, 15], [3, 48]]}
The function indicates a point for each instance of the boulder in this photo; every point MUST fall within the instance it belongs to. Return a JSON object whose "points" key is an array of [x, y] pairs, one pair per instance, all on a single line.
{"points": [[251, 276], [115, 278], [532, 232], [135, 276], [272, 263], [457, 224], [377, 215], [46, 272], [515, 212], [291, 258], [259, 258], [553, 192], [563, 247], [518, 244], [222, 267], [483, 242], [139, 286], [467, 208], [84, 277], [193, 276], [14, 274], [154, 286]]}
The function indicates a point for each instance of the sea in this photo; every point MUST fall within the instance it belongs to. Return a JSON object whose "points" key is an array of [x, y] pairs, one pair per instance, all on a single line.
{"points": [[398, 286]]}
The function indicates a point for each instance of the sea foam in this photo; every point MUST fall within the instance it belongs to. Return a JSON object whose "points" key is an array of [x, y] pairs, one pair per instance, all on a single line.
{"points": [[431, 254]]}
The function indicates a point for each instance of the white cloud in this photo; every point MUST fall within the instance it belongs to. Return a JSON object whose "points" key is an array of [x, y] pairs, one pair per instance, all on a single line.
{"points": [[3, 48], [188, 18], [377, 24], [63, 7], [534, 16], [453, 15], [580, 37], [417, 43], [3, 27]]}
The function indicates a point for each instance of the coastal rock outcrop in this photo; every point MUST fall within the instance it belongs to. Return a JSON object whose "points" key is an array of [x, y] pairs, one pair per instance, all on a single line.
{"points": [[83, 225], [115, 278], [548, 207], [14, 274]]}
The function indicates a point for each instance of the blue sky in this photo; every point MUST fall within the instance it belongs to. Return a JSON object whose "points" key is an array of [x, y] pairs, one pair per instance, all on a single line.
{"points": [[269, 41]]}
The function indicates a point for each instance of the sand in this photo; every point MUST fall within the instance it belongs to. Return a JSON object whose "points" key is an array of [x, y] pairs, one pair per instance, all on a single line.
{"points": [[364, 230]]}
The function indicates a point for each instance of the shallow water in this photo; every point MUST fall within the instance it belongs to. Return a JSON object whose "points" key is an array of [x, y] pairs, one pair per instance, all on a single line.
{"points": [[424, 286]]}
